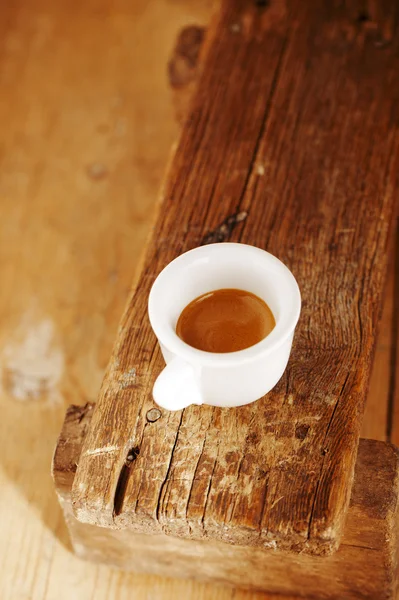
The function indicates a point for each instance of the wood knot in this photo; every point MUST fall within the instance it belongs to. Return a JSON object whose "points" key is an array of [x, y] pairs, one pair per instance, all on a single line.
{"points": [[153, 415], [262, 3], [183, 64], [301, 431]]}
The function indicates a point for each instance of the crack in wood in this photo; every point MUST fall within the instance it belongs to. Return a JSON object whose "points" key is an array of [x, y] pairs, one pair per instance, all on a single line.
{"points": [[123, 479], [164, 483], [264, 497], [324, 453], [262, 127], [209, 489], [393, 363], [194, 479], [223, 232]]}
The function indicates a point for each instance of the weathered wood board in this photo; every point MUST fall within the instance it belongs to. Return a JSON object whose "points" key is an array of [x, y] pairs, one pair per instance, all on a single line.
{"points": [[363, 567], [50, 219], [293, 128]]}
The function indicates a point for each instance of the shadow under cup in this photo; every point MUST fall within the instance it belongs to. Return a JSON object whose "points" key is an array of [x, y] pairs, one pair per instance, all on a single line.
{"points": [[234, 378]]}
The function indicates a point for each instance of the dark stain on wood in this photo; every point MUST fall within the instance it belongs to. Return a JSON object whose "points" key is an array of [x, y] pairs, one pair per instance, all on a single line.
{"points": [[223, 232], [301, 431], [183, 64]]}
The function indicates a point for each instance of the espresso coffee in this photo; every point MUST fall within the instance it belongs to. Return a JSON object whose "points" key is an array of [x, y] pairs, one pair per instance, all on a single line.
{"points": [[225, 320]]}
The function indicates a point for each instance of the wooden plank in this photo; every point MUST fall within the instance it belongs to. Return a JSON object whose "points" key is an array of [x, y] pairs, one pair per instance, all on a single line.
{"points": [[380, 417], [376, 414], [295, 132], [369, 544], [393, 401]]}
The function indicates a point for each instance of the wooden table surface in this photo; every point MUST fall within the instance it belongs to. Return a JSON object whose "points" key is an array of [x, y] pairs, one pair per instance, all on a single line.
{"points": [[88, 120]]}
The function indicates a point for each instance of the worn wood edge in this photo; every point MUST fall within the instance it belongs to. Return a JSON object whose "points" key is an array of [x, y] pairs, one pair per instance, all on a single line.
{"points": [[392, 428], [89, 543], [392, 528], [351, 574], [393, 541], [327, 540], [77, 422], [69, 446]]}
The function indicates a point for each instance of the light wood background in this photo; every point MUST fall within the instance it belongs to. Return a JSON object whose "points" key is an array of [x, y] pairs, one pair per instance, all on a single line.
{"points": [[88, 119]]}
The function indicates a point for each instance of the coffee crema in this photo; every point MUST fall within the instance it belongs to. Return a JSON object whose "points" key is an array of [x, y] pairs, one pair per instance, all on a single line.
{"points": [[226, 320]]}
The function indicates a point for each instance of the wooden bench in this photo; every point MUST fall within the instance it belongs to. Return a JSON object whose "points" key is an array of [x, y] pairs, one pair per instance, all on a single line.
{"points": [[290, 146]]}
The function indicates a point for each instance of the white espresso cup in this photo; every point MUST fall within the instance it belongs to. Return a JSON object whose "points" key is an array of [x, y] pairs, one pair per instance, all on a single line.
{"points": [[193, 376]]}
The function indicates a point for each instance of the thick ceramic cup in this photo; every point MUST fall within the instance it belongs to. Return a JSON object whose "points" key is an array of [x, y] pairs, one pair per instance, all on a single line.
{"points": [[193, 376]]}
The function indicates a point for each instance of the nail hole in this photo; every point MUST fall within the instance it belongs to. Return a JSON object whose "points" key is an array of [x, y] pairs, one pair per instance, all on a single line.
{"points": [[132, 454], [153, 415]]}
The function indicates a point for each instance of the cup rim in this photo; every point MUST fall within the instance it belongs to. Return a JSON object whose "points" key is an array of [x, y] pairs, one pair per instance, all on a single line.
{"points": [[172, 342]]}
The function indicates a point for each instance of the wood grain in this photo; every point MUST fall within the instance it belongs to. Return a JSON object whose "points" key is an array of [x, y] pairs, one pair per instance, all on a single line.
{"points": [[292, 126], [369, 542], [376, 414], [393, 396], [380, 417], [56, 236]]}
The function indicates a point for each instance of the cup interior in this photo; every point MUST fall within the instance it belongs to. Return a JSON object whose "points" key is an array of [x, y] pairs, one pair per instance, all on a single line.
{"points": [[218, 266]]}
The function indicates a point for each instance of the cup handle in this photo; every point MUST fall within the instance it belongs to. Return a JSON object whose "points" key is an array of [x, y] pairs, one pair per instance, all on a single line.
{"points": [[177, 386]]}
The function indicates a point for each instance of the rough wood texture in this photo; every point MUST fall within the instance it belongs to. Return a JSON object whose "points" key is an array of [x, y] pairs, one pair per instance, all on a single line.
{"points": [[393, 395], [364, 566], [377, 414], [294, 126], [49, 59], [381, 417]]}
